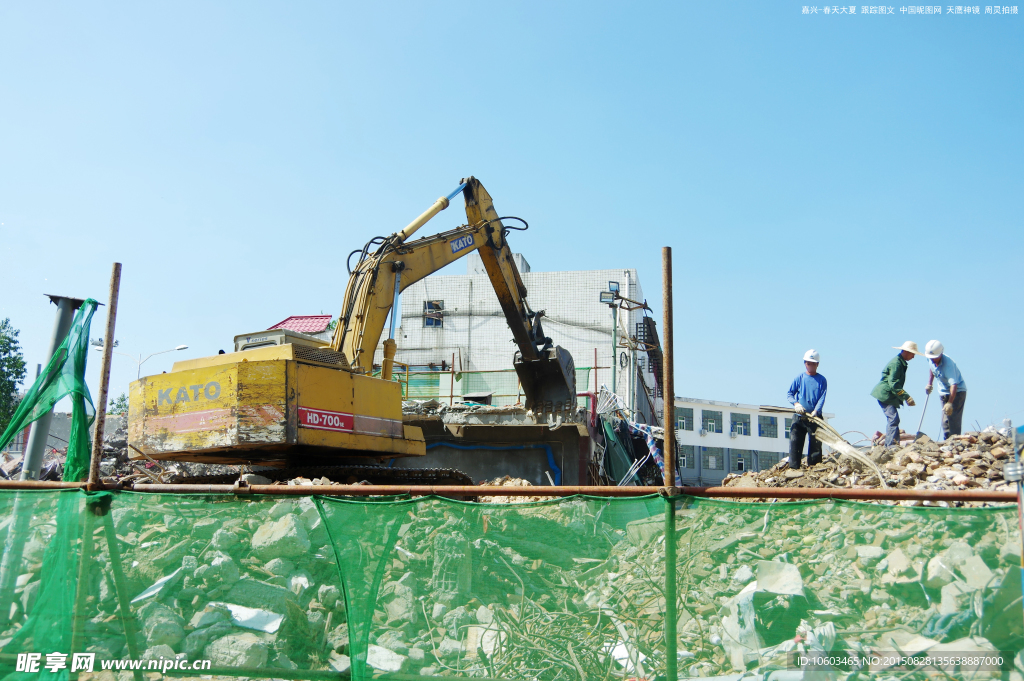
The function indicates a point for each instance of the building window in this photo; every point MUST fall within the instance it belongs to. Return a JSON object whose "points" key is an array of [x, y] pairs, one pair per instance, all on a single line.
{"points": [[766, 460], [739, 424], [687, 458], [741, 460], [433, 313], [789, 424], [767, 426], [714, 458], [684, 418], [711, 421]]}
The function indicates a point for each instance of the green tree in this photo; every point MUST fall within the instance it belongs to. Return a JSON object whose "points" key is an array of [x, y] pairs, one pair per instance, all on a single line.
{"points": [[12, 371], [118, 405]]}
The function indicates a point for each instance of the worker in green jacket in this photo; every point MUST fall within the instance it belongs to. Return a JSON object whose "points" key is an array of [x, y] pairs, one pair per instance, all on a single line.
{"points": [[890, 393]]}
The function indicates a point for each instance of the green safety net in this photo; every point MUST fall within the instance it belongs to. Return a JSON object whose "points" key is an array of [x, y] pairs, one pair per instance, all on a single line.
{"points": [[573, 588], [64, 376]]}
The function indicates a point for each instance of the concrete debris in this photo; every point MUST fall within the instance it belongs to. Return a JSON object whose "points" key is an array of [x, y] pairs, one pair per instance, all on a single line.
{"points": [[116, 465], [284, 538], [52, 468], [161, 625], [238, 650], [508, 481], [514, 590], [970, 461], [211, 582]]}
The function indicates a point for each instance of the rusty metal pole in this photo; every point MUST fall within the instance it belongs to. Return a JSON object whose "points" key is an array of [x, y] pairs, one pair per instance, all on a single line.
{"points": [[671, 637], [101, 403], [668, 382]]}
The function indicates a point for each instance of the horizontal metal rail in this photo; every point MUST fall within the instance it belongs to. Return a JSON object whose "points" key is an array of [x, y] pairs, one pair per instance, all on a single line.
{"points": [[542, 491], [600, 491], [48, 484]]}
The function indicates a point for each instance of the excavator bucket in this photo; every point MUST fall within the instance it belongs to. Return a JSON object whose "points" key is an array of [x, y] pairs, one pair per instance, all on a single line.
{"points": [[549, 382]]}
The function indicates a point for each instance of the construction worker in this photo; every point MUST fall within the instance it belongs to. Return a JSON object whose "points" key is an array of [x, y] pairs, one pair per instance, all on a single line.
{"points": [[890, 393], [807, 395], [952, 388]]}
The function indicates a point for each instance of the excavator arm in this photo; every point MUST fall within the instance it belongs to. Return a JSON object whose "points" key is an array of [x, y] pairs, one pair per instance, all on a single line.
{"points": [[546, 372]]}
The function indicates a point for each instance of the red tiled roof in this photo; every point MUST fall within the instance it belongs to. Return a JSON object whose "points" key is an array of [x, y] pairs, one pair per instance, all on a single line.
{"points": [[315, 323]]}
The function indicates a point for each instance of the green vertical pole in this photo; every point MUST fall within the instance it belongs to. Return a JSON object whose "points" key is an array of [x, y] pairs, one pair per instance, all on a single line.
{"points": [[85, 558], [671, 640], [120, 586]]}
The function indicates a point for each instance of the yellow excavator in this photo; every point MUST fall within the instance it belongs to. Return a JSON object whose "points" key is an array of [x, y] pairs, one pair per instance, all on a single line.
{"points": [[286, 399]]}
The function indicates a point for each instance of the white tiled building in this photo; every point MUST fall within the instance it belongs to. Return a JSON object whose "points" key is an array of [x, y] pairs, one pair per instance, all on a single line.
{"points": [[718, 438], [457, 317]]}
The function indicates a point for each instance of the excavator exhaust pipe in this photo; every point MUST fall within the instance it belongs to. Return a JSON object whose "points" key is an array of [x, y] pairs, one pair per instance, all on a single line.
{"points": [[549, 382]]}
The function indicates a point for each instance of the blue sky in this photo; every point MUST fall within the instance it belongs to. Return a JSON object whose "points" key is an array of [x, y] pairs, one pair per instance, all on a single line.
{"points": [[838, 182]]}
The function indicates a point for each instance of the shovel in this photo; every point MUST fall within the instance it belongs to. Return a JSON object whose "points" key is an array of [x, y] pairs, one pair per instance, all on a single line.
{"points": [[919, 433]]}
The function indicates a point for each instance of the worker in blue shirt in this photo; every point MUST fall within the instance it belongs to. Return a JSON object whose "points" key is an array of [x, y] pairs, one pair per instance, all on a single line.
{"points": [[807, 395], [952, 388]]}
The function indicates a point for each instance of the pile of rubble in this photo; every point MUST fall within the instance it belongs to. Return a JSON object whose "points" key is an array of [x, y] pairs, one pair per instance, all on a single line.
{"points": [[573, 596], [756, 585], [116, 466], [206, 581], [568, 589], [970, 461], [52, 467], [508, 481]]}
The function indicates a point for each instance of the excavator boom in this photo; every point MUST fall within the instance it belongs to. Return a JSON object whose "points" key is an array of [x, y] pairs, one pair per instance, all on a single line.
{"points": [[546, 372]]}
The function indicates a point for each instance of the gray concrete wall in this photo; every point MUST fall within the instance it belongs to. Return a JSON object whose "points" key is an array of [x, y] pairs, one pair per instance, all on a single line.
{"points": [[60, 429]]}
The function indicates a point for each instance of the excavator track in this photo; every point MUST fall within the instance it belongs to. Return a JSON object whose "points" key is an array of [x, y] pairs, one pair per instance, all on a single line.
{"points": [[347, 475]]}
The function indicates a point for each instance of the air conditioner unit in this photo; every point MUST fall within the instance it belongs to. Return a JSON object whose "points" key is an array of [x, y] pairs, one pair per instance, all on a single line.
{"points": [[703, 432], [732, 433]]}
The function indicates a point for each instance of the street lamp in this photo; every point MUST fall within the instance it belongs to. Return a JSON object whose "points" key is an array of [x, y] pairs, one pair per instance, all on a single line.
{"points": [[611, 298], [140, 361]]}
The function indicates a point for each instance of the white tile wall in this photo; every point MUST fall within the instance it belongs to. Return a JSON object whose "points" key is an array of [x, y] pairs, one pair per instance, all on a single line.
{"points": [[476, 332]]}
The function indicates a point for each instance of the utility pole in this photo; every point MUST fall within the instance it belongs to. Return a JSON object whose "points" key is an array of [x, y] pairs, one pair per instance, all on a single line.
{"points": [[101, 405], [25, 502], [671, 637], [40, 432], [615, 342]]}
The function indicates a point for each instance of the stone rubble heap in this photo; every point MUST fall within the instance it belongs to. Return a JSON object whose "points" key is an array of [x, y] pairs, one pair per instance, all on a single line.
{"points": [[753, 586], [254, 589], [756, 585], [522, 591], [508, 481], [116, 466], [973, 460]]}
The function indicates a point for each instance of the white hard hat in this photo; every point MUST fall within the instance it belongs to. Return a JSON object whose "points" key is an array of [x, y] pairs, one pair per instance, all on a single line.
{"points": [[933, 349], [812, 356]]}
